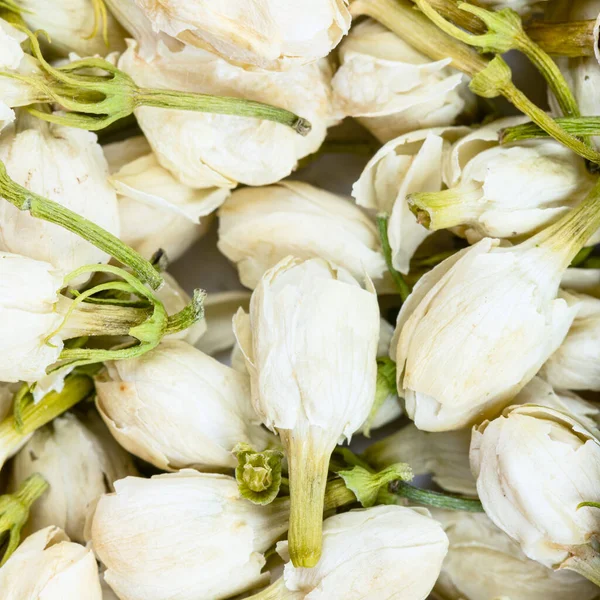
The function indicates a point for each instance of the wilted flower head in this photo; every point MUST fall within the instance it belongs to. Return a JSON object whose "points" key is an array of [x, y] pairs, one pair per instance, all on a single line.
{"points": [[576, 363], [176, 407], [155, 209], [483, 563], [187, 534], [47, 565], [74, 26], [67, 166], [260, 226], [310, 344], [411, 163], [504, 191], [214, 149], [368, 553], [534, 466], [269, 34], [80, 461], [392, 88]]}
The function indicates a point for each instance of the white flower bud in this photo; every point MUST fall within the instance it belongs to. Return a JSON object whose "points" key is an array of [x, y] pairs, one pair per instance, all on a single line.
{"points": [[214, 149], [156, 210], [310, 345], [408, 164], [67, 166], [260, 226], [444, 456], [576, 363], [187, 535], [47, 565], [269, 34], [80, 461], [534, 466], [483, 563], [72, 26], [504, 191], [477, 328], [219, 310], [540, 392], [28, 293], [176, 407], [393, 89], [369, 553]]}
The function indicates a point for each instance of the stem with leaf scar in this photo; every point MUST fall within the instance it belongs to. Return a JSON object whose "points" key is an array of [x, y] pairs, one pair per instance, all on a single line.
{"points": [[429, 33]]}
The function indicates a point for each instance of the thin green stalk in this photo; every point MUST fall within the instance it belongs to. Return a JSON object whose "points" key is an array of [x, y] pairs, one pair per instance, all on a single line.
{"points": [[401, 285], [577, 126], [53, 212], [401, 489]]}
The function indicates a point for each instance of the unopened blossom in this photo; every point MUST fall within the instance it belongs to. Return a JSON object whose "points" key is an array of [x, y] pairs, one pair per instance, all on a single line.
{"points": [[177, 407], [186, 535], [65, 165], [410, 163], [393, 89], [216, 149], [444, 456], [80, 461], [72, 26], [310, 343], [504, 191], [477, 328], [155, 209], [576, 363], [266, 34], [260, 226], [47, 565], [483, 563], [384, 551], [534, 466]]}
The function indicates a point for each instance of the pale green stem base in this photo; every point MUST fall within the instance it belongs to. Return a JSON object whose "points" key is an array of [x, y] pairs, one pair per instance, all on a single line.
{"points": [[445, 209], [308, 463]]}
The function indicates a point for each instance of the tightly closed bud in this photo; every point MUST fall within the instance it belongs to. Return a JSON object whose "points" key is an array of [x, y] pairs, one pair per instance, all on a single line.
{"points": [[408, 164], [155, 209], [80, 461], [393, 89], [483, 563], [310, 344], [81, 26], [444, 456], [260, 226], [214, 149], [47, 565], [268, 34], [369, 554], [504, 191], [67, 166], [576, 363], [189, 535], [534, 466], [176, 407], [495, 314]]}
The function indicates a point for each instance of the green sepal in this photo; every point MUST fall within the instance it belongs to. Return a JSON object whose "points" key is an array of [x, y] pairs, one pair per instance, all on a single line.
{"points": [[366, 485], [491, 81], [14, 512], [258, 474], [386, 385]]}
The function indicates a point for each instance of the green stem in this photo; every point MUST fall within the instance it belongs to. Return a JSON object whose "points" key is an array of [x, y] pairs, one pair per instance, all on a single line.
{"points": [[578, 126], [34, 416], [427, 497], [401, 285], [189, 315], [31, 489], [48, 210], [220, 105], [337, 495]]}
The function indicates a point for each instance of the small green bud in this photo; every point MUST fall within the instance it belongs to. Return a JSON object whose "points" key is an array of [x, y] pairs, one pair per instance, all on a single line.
{"points": [[258, 473], [491, 81]]}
